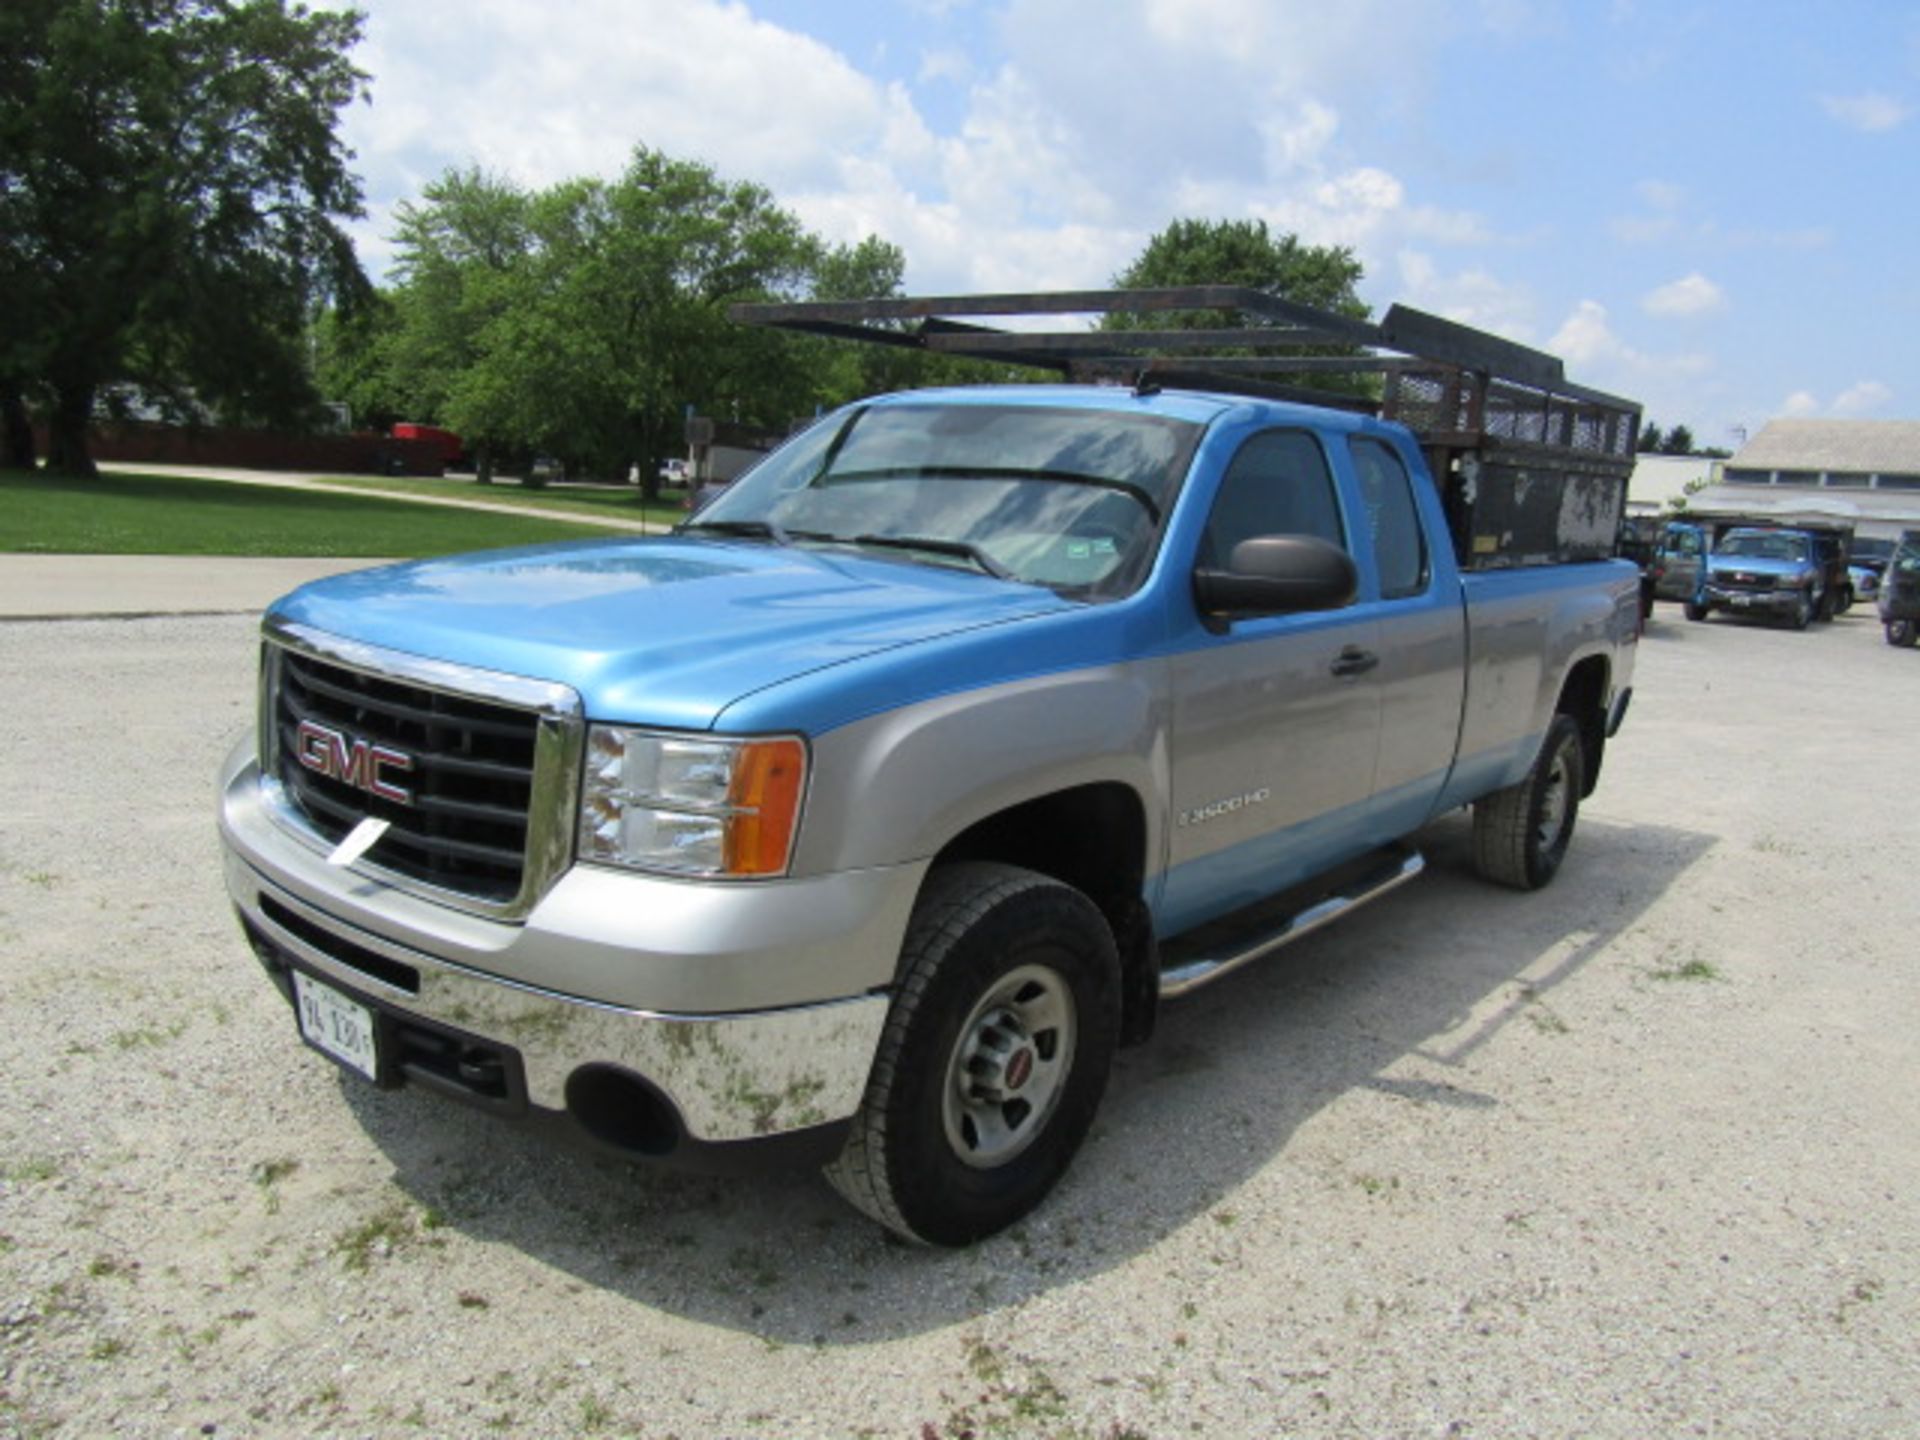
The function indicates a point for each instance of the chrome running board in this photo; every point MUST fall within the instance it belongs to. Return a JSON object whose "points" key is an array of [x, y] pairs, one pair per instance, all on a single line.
{"points": [[1397, 866]]}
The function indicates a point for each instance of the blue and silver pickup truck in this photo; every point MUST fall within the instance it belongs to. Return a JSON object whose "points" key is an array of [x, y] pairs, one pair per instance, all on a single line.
{"points": [[859, 821]]}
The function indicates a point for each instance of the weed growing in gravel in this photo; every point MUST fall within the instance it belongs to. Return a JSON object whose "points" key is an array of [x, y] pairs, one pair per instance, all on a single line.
{"points": [[148, 1037], [110, 1347], [269, 1173], [30, 1170], [384, 1234], [1695, 969]]}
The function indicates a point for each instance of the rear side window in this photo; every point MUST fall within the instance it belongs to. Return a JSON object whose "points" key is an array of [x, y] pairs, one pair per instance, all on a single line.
{"points": [[1278, 484], [1399, 545]]}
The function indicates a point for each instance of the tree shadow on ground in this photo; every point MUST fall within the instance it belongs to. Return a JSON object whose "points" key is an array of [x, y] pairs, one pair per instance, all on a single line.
{"points": [[1420, 982]]}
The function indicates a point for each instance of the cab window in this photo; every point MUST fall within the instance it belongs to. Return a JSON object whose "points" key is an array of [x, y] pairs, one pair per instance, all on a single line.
{"points": [[1399, 544], [1278, 484]]}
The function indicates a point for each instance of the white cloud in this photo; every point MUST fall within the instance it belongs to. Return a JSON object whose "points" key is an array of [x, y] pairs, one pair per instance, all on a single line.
{"points": [[1870, 112], [1662, 194], [1862, 399], [950, 65], [1691, 295], [1588, 343], [1473, 296]]}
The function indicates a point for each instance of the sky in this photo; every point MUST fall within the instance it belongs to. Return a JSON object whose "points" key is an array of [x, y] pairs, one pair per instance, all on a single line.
{"points": [[1712, 208]]}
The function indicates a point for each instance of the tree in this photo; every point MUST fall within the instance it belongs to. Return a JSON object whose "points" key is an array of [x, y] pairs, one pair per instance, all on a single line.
{"points": [[171, 187], [1679, 441], [1243, 252], [1246, 253], [462, 252], [1650, 439]]}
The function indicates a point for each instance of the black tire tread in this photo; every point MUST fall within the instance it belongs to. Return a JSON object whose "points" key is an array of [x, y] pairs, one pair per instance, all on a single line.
{"points": [[956, 899], [1503, 821]]}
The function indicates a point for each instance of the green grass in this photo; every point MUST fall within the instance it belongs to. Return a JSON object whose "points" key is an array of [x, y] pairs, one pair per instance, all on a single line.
{"points": [[129, 514], [614, 504]]}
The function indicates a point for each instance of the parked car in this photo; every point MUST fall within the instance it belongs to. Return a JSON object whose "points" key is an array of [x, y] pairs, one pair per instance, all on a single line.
{"points": [[1899, 600]]}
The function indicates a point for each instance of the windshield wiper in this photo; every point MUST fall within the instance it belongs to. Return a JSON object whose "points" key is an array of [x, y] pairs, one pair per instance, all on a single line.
{"points": [[1137, 493], [759, 529], [933, 544]]}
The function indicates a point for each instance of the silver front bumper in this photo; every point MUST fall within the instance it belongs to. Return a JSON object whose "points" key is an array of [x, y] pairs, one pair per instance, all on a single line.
{"points": [[656, 978]]}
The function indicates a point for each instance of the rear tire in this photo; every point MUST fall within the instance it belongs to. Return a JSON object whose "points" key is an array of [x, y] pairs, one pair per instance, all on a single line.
{"points": [[993, 1060], [1696, 611], [1521, 833], [1900, 632]]}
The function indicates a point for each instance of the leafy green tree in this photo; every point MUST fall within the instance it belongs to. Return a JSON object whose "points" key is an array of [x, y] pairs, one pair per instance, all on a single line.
{"points": [[1650, 439], [171, 187], [463, 253], [1679, 441], [584, 319], [1242, 252], [1246, 253]]}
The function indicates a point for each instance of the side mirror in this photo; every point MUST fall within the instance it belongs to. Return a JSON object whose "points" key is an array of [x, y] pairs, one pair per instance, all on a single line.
{"points": [[1278, 575]]}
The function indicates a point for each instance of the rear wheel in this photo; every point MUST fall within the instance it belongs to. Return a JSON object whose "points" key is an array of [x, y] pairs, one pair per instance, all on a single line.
{"points": [[1900, 632], [994, 1057], [1696, 611], [1521, 833]]}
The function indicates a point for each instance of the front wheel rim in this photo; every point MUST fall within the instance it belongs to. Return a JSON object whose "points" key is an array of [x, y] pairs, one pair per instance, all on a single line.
{"points": [[1556, 802], [1009, 1066]]}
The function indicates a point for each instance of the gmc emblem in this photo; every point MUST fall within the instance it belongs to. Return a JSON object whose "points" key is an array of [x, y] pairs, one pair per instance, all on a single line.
{"points": [[353, 761]]}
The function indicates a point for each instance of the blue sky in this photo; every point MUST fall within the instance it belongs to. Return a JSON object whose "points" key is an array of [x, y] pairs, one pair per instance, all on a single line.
{"points": [[1710, 207]]}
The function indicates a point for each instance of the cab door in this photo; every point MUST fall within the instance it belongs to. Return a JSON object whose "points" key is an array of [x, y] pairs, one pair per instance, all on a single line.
{"points": [[1276, 718]]}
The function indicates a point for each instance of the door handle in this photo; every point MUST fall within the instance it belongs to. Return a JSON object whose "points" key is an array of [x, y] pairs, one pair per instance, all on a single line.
{"points": [[1354, 661]]}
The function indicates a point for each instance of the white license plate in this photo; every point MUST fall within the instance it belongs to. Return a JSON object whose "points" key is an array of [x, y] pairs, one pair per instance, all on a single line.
{"points": [[331, 1022]]}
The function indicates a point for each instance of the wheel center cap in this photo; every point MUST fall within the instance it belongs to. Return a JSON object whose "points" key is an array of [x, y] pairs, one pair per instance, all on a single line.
{"points": [[1019, 1067]]}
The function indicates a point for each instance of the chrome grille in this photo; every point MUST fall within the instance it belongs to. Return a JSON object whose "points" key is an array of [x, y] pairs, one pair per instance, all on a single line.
{"points": [[479, 812]]}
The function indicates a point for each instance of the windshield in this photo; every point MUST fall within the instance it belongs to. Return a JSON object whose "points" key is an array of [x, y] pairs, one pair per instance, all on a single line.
{"points": [[1066, 498], [1765, 547]]}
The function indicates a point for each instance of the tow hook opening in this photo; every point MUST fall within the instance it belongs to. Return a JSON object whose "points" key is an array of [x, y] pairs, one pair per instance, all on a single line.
{"points": [[618, 1108]]}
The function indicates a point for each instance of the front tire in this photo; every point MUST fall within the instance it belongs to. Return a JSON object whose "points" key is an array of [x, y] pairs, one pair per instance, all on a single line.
{"points": [[1696, 611], [994, 1057], [1803, 610], [1900, 632], [1521, 833]]}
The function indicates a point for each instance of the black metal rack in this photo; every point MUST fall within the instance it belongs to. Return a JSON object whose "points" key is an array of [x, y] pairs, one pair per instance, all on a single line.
{"points": [[1533, 468]]}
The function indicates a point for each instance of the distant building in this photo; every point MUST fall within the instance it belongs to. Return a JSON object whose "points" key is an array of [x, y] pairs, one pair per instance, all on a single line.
{"points": [[1658, 480], [1866, 472]]}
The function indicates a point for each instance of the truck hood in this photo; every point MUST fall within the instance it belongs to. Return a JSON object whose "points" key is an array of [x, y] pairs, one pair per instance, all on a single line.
{"points": [[1762, 565], [667, 631]]}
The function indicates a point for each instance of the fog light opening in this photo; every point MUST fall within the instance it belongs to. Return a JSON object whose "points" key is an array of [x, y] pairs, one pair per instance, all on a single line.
{"points": [[620, 1109]]}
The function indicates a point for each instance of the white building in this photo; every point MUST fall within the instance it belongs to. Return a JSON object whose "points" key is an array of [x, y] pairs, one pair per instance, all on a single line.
{"points": [[1866, 472]]}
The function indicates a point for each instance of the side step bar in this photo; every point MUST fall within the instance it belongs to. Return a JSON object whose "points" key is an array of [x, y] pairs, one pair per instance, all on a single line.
{"points": [[1398, 865]]}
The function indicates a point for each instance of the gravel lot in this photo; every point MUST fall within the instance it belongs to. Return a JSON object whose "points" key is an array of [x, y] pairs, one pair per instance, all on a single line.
{"points": [[1634, 1156]]}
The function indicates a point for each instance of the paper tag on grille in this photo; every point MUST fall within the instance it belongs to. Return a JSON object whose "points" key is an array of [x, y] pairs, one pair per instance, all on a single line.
{"points": [[362, 838]]}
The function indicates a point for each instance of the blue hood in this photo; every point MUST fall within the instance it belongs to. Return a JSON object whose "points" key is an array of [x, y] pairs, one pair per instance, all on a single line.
{"points": [[659, 632], [1762, 565]]}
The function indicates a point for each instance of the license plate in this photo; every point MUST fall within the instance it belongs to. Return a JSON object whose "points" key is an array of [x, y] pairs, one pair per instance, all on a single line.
{"points": [[332, 1023], [1743, 601]]}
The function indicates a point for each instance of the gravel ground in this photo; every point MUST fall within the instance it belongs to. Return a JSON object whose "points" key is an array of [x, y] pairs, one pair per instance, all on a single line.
{"points": [[1633, 1156]]}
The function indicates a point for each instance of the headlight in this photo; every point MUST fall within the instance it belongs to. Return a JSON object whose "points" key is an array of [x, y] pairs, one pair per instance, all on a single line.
{"points": [[689, 805]]}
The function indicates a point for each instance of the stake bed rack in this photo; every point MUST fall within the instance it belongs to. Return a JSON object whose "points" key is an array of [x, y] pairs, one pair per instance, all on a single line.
{"points": [[1532, 468]]}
